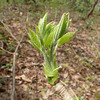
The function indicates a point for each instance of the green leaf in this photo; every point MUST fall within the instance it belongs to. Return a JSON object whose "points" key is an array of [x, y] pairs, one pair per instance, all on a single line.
{"points": [[68, 23], [40, 99], [37, 29], [9, 65], [3, 79], [34, 38], [58, 30], [45, 41], [43, 90], [61, 28], [50, 39], [34, 45], [4, 66], [42, 25], [65, 38], [49, 28]]}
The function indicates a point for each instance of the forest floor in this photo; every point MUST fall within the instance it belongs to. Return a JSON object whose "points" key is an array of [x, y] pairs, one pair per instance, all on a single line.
{"points": [[79, 58]]}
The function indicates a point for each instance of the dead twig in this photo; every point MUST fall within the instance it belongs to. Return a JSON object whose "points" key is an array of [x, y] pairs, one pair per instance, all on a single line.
{"points": [[14, 54], [93, 7], [86, 60], [9, 31], [14, 64], [14, 61], [5, 49]]}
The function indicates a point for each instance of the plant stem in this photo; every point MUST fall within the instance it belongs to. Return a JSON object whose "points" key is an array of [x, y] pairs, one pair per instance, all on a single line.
{"points": [[46, 60], [55, 54]]}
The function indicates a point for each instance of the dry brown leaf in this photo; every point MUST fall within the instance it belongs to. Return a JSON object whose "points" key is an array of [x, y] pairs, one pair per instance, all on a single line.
{"points": [[25, 87], [23, 77], [26, 79]]}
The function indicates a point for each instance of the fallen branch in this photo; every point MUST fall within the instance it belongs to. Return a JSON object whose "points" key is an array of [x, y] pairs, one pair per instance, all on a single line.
{"points": [[14, 64], [14, 55], [86, 60], [9, 31], [5, 49], [93, 7]]}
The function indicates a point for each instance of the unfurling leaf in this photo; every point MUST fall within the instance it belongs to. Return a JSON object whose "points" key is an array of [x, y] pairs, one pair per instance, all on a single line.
{"points": [[61, 28], [42, 25], [65, 38]]}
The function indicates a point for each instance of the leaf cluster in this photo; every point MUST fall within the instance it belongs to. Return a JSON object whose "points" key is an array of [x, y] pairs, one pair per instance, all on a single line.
{"points": [[47, 39]]}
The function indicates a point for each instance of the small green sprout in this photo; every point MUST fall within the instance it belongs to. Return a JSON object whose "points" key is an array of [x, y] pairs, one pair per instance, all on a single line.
{"points": [[47, 39]]}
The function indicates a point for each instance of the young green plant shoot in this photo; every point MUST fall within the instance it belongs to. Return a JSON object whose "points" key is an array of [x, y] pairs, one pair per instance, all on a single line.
{"points": [[47, 39]]}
